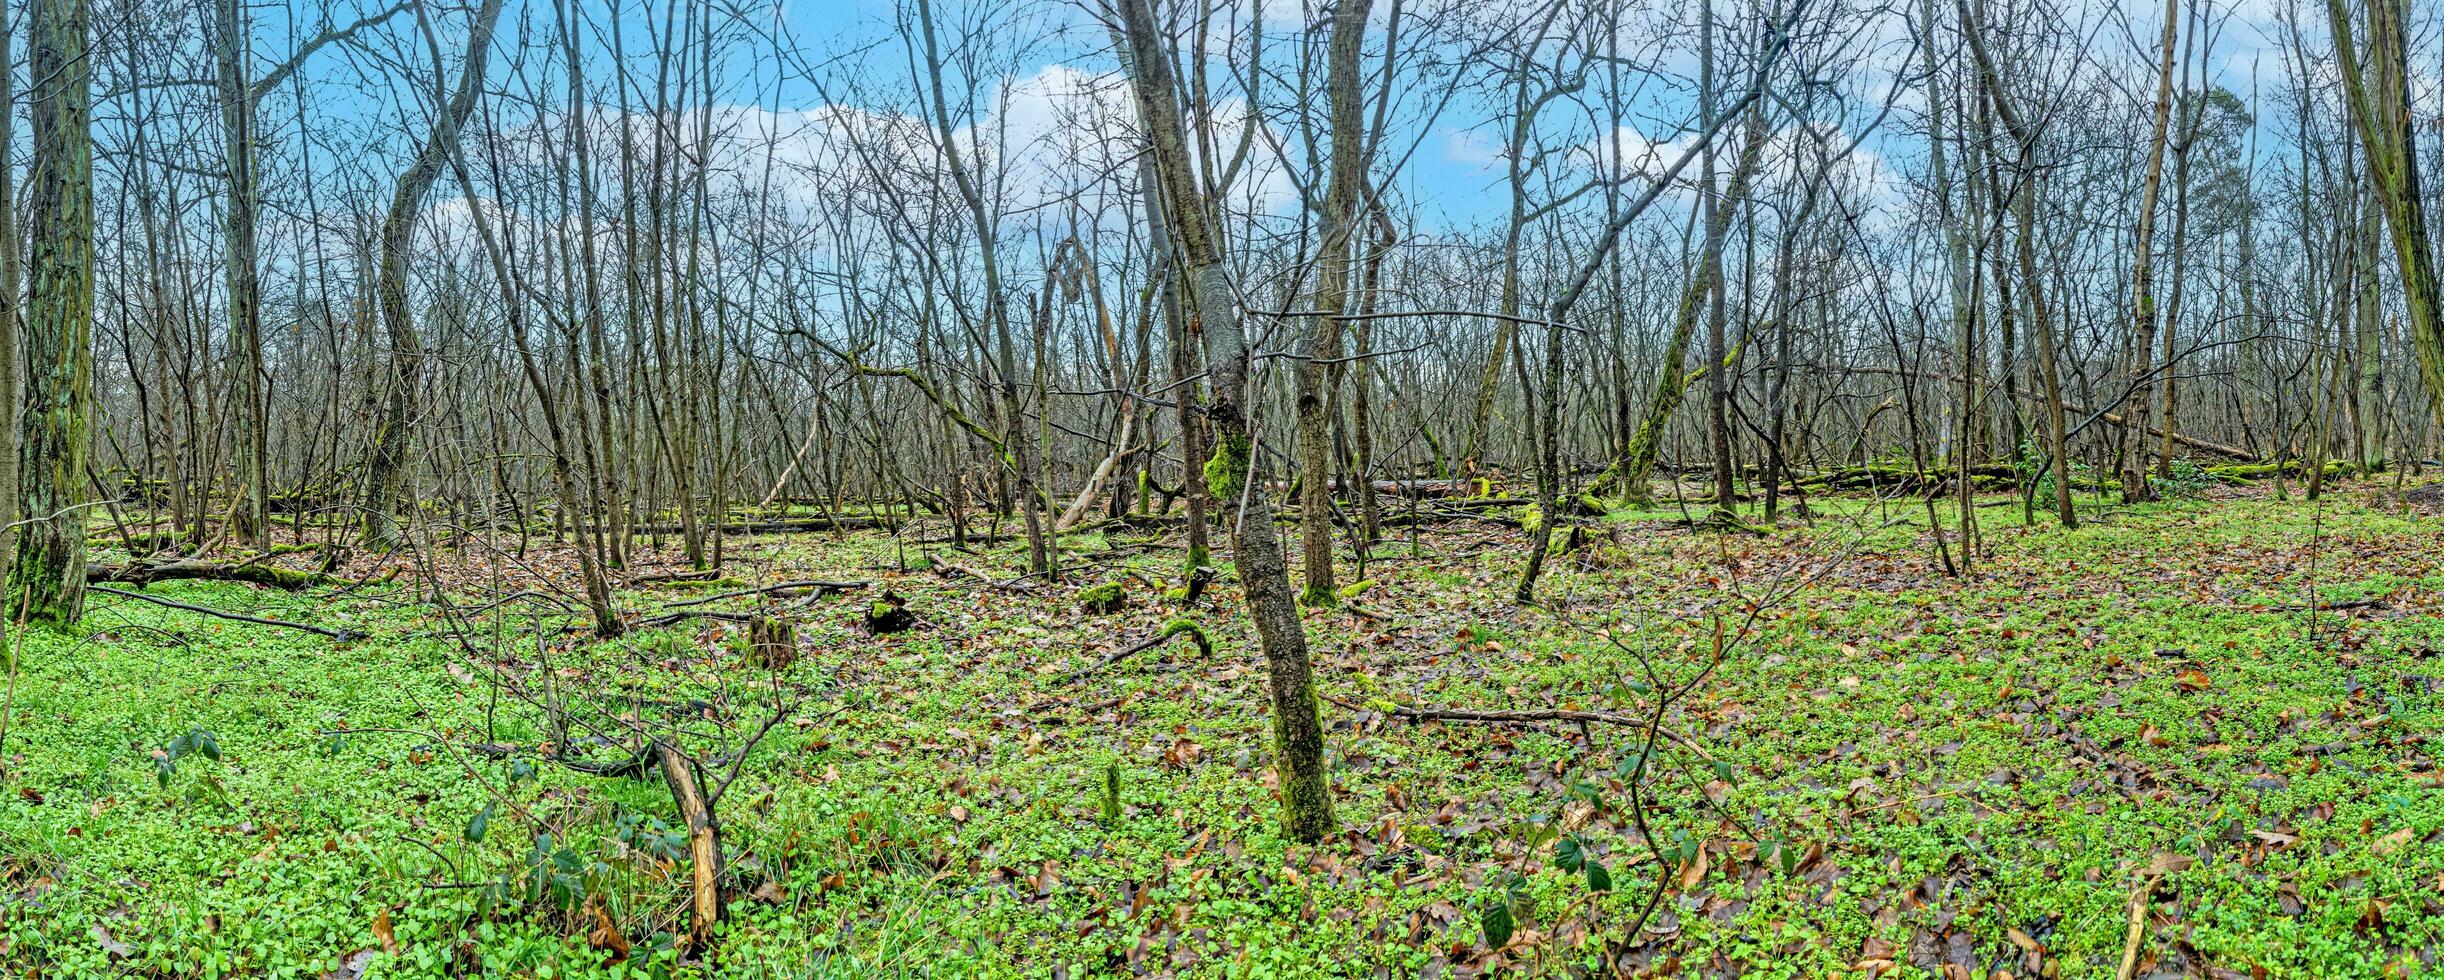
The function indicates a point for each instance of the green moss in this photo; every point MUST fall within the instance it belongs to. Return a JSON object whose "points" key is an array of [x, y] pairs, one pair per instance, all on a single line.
{"points": [[1195, 633], [1107, 597], [1226, 470]]}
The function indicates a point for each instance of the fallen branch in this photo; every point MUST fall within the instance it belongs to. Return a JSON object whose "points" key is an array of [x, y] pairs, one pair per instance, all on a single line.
{"points": [[1529, 717], [685, 575], [342, 636], [668, 618], [815, 584], [2071, 408], [1176, 627], [2137, 934], [513, 597], [1019, 584]]}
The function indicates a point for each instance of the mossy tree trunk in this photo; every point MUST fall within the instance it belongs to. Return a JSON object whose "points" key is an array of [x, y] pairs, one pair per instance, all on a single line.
{"points": [[1628, 476], [239, 268], [1319, 374], [2376, 86], [1256, 549], [49, 574]]}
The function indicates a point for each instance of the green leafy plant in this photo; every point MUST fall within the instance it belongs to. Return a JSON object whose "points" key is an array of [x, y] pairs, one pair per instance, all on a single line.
{"points": [[2188, 481], [195, 742]]}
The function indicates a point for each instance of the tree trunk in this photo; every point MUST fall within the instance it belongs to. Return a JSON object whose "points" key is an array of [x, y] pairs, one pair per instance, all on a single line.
{"points": [[239, 268], [2142, 307], [1318, 373], [1298, 733], [2040, 318], [386, 466], [12, 357], [49, 574]]}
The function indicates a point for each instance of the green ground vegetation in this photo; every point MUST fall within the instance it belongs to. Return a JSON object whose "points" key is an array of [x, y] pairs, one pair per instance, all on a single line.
{"points": [[1893, 769]]}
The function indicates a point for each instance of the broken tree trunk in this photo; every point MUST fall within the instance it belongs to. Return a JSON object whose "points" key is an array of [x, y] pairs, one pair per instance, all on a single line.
{"points": [[703, 838]]}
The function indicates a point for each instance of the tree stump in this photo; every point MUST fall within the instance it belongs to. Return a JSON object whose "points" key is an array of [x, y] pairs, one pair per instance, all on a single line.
{"points": [[888, 613], [1198, 579], [1104, 599]]}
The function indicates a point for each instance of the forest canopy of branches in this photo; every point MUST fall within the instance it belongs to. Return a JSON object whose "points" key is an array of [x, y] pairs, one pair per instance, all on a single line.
{"points": [[1078, 487]]}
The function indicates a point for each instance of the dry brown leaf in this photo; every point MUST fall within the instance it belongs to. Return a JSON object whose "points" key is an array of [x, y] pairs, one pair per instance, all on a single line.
{"points": [[383, 933], [606, 935], [2026, 943], [1694, 871], [2167, 862]]}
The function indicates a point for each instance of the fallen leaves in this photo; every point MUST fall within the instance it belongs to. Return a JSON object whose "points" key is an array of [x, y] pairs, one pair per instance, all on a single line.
{"points": [[606, 935], [1693, 870], [110, 944], [384, 933]]}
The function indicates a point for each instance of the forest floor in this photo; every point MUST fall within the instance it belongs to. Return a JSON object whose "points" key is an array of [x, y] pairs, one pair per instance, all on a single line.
{"points": [[2137, 728]]}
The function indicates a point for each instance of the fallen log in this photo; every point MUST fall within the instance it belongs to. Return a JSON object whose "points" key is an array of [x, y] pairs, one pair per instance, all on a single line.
{"points": [[146, 573], [2246, 472], [774, 525], [1897, 479]]}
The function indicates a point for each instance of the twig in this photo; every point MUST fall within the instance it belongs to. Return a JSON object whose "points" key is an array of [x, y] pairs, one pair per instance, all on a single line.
{"points": [[2138, 928]]}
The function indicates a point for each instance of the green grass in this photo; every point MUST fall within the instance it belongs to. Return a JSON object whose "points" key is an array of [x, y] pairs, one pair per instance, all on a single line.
{"points": [[1984, 767]]}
